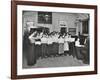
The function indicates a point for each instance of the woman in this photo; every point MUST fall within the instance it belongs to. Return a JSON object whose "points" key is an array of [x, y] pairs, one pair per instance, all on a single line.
{"points": [[26, 47], [78, 49], [44, 45], [66, 45], [49, 46], [61, 45], [55, 44], [31, 55]]}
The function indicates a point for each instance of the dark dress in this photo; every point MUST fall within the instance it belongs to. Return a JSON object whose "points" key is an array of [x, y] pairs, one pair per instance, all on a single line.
{"points": [[38, 49], [55, 48], [28, 50], [44, 50], [49, 49], [86, 53], [78, 50], [44, 47]]}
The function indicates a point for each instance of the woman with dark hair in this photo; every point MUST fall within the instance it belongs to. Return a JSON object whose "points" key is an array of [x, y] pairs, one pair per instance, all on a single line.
{"points": [[78, 49], [55, 44], [32, 55], [28, 45]]}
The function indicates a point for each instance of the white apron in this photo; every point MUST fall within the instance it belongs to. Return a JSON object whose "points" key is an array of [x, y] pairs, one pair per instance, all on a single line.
{"points": [[66, 45]]}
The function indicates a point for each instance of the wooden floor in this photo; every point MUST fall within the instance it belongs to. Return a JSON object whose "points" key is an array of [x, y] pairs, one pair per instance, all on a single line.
{"points": [[60, 61]]}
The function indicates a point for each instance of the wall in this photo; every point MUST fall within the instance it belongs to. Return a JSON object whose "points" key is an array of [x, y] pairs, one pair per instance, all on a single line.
{"points": [[5, 40], [69, 18], [33, 16]]}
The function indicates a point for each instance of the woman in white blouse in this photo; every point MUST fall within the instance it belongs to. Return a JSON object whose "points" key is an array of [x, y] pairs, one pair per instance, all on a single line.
{"points": [[78, 49], [66, 45], [44, 45], [49, 45]]}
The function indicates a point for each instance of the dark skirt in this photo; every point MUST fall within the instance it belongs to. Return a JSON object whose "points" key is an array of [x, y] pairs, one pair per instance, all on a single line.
{"points": [[44, 50], [79, 53], [50, 49], [55, 49], [38, 50], [71, 48], [31, 56]]}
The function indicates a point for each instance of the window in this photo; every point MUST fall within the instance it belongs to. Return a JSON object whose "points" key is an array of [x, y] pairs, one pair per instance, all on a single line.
{"points": [[45, 17]]}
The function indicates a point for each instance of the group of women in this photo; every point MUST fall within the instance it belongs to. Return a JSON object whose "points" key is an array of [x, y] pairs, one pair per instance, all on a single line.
{"points": [[42, 45]]}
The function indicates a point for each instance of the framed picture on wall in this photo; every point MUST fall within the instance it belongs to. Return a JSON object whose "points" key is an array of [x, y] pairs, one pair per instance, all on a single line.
{"points": [[31, 57], [45, 17]]}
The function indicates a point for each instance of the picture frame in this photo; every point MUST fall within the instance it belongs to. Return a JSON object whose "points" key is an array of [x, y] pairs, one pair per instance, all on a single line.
{"points": [[16, 48]]}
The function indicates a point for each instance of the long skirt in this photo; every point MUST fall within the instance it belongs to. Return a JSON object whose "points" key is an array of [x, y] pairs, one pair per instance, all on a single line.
{"points": [[79, 55], [31, 55], [50, 49], [55, 48], [38, 50], [72, 50], [44, 50], [61, 48]]}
